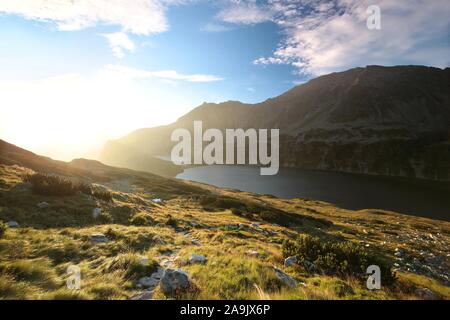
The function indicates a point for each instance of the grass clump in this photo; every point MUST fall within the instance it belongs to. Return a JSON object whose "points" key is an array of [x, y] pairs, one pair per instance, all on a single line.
{"points": [[132, 266], [345, 259], [142, 219], [3, 228], [37, 271]]}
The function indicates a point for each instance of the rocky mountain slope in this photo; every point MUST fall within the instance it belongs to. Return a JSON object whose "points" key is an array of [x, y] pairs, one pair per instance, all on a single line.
{"points": [[136, 235], [392, 121]]}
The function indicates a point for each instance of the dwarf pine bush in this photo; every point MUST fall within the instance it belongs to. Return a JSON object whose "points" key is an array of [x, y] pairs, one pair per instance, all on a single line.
{"points": [[337, 258]]}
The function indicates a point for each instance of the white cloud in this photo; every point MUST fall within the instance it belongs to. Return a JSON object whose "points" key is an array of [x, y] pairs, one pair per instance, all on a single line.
{"points": [[119, 41], [168, 75], [138, 16], [244, 13], [322, 37]]}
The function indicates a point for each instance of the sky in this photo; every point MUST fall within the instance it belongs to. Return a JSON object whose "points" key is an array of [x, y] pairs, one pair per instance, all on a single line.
{"points": [[75, 73]]}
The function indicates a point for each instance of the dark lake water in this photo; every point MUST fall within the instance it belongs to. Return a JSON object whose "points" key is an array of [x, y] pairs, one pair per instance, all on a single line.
{"points": [[345, 190]]}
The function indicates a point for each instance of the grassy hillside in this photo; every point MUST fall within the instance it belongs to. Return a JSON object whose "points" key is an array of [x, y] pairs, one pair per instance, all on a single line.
{"points": [[243, 238]]}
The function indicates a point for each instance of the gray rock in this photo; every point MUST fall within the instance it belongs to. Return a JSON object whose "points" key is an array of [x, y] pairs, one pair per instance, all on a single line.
{"points": [[309, 266], [174, 281], [290, 261], [148, 282], [427, 294], [285, 278], [197, 258], [98, 238], [12, 224], [96, 213], [144, 260], [145, 295], [43, 205]]}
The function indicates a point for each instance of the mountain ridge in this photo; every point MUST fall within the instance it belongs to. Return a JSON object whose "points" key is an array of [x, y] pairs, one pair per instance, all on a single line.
{"points": [[344, 121]]}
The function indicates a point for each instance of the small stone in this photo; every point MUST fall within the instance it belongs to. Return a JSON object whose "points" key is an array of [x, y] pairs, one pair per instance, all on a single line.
{"points": [[197, 258], [145, 295], [12, 224], [148, 282], [290, 261], [144, 261], [43, 205], [157, 200], [98, 238], [96, 213]]}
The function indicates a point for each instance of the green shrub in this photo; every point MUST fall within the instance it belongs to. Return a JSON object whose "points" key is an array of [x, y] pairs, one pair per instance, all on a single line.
{"points": [[237, 212], [53, 185], [50, 185], [337, 258], [3, 228]]}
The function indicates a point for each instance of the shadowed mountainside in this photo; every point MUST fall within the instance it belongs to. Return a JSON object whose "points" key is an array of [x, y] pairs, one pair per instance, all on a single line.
{"points": [[392, 121]]}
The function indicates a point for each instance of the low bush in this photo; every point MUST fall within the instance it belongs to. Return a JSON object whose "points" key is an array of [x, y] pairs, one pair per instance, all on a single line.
{"points": [[50, 185], [337, 258]]}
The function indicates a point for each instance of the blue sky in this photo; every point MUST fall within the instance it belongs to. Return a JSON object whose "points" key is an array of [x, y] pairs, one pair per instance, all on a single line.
{"points": [[112, 66]]}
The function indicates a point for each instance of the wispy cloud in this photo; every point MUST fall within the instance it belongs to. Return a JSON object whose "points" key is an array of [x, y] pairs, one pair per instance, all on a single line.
{"points": [[170, 75], [241, 12], [139, 16], [119, 41], [325, 36], [216, 27]]}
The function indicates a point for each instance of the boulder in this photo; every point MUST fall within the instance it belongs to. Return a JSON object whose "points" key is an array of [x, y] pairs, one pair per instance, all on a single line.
{"points": [[197, 258], [285, 278], [290, 261], [174, 282], [12, 224]]}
